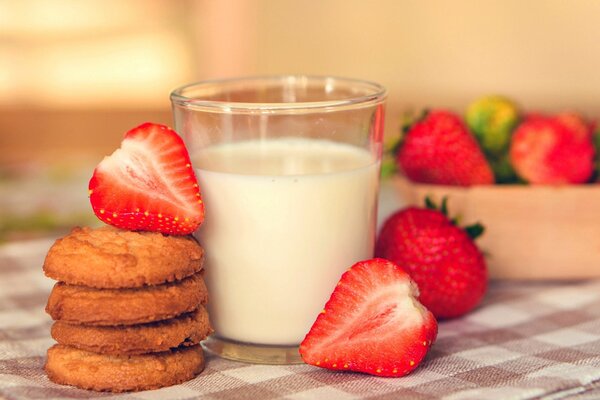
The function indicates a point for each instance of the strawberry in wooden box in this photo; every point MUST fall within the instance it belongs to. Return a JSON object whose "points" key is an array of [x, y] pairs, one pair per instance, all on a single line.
{"points": [[530, 179]]}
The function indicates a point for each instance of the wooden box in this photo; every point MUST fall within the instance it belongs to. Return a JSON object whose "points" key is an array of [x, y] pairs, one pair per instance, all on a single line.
{"points": [[532, 232]]}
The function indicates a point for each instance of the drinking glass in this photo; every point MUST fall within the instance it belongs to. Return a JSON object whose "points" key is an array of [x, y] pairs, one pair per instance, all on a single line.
{"points": [[288, 167]]}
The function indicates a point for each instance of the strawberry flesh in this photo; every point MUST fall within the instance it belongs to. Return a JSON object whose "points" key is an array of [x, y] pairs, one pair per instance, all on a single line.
{"points": [[372, 323], [148, 184]]}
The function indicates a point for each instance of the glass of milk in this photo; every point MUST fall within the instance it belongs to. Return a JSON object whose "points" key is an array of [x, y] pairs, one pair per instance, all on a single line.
{"points": [[288, 168]]}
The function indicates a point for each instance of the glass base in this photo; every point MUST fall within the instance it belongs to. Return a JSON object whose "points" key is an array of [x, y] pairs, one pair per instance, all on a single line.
{"points": [[252, 353]]}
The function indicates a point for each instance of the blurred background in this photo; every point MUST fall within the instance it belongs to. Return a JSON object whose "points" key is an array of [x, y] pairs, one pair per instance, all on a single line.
{"points": [[76, 74]]}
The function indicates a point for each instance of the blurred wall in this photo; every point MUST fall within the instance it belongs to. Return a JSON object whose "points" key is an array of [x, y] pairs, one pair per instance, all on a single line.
{"points": [[544, 53], [95, 67], [92, 53], [74, 75]]}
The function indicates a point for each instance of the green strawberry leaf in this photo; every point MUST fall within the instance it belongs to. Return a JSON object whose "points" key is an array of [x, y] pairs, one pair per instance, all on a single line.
{"points": [[430, 204], [596, 142], [444, 207], [388, 168], [475, 230], [411, 118]]}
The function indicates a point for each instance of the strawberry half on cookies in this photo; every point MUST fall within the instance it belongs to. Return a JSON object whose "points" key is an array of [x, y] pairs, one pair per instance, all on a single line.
{"points": [[130, 300], [373, 323], [148, 184]]}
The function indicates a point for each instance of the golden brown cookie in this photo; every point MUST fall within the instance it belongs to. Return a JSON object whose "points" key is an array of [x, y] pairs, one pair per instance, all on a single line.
{"points": [[111, 258], [186, 330], [70, 366], [83, 305]]}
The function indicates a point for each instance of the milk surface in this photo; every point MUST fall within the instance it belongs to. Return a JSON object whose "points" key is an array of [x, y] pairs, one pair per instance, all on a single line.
{"points": [[284, 219]]}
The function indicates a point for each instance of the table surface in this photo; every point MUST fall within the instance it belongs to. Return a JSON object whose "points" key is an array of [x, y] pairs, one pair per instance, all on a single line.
{"points": [[526, 341]]}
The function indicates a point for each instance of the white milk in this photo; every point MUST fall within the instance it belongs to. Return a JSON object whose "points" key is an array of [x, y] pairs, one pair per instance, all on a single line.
{"points": [[284, 219]]}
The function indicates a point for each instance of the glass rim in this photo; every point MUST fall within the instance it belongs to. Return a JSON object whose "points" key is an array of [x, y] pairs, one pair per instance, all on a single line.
{"points": [[378, 95]]}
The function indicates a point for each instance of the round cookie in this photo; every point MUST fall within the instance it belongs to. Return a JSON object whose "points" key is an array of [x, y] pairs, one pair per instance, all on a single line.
{"points": [[83, 305], [111, 258], [69, 366], [185, 330]]}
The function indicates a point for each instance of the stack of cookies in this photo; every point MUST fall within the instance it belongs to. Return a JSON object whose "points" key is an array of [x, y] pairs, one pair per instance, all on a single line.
{"points": [[128, 309]]}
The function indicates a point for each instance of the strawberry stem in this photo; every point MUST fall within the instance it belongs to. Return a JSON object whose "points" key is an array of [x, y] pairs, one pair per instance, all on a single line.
{"points": [[407, 122], [475, 230], [411, 118], [430, 204], [444, 207]]}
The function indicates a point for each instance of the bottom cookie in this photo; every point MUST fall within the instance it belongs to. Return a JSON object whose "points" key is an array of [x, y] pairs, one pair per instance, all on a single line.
{"points": [[69, 366]]}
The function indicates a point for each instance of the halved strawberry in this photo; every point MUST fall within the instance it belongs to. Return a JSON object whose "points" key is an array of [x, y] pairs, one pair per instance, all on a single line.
{"points": [[148, 184], [372, 323]]}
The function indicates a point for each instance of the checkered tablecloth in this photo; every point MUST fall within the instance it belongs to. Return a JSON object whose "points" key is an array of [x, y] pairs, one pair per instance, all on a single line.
{"points": [[527, 341]]}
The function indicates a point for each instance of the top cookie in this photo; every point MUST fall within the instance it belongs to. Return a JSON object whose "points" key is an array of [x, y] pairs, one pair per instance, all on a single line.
{"points": [[109, 258]]}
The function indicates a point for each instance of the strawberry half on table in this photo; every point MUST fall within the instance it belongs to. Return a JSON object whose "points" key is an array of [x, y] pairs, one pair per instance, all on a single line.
{"points": [[148, 184], [373, 323]]}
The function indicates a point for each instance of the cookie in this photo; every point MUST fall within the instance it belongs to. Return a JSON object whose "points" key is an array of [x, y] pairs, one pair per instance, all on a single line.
{"points": [[186, 330], [111, 258], [83, 305], [70, 366]]}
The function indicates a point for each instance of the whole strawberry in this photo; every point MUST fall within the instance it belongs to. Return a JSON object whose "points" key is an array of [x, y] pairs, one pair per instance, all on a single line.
{"points": [[372, 323], [440, 149], [553, 149], [492, 120], [440, 257]]}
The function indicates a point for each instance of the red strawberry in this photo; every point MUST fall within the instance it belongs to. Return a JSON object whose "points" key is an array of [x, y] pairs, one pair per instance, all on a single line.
{"points": [[439, 256], [440, 149], [372, 323], [148, 184], [553, 149]]}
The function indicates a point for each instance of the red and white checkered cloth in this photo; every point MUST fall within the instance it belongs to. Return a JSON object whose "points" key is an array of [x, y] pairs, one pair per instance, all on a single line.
{"points": [[527, 341]]}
